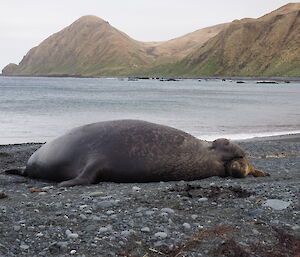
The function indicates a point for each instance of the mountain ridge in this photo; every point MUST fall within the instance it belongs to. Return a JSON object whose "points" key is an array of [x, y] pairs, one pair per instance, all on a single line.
{"points": [[90, 46], [267, 46]]}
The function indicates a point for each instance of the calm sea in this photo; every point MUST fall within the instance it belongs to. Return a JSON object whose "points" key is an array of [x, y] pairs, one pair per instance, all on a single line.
{"points": [[39, 109]]}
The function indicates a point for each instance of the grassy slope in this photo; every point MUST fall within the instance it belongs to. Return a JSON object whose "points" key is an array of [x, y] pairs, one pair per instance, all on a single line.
{"points": [[268, 46]]}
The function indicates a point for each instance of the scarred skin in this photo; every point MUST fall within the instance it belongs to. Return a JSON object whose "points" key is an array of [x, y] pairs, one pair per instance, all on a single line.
{"points": [[134, 151]]}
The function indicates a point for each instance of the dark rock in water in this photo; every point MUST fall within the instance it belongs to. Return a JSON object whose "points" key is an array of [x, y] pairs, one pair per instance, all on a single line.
{"points": [[266, 82], [132, 79], [240, 82], [168, 79]]}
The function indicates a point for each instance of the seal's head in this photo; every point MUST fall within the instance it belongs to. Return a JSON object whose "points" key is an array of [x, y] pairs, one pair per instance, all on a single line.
{"points": [[241, 167]]}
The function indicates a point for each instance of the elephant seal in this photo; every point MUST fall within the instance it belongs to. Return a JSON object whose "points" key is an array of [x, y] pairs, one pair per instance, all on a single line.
{"points": [[134, 151]]}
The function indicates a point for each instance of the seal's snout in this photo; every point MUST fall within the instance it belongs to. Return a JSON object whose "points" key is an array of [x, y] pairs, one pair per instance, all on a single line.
{"points": [[238, 168]]}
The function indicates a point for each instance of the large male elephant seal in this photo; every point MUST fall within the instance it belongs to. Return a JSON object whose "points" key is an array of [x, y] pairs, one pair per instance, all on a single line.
{"points": [[134, 151]]}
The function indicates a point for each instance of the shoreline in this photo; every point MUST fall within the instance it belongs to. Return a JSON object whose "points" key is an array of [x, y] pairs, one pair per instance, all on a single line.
{"points": [[292, 137], [234, 78]]}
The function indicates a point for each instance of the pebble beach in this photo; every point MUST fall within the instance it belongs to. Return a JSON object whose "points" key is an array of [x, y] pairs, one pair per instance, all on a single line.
{"points": [[209, 217]]}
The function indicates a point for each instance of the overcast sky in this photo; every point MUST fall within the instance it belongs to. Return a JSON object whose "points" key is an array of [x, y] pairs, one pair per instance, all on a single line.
{"points": [[24, 24]]}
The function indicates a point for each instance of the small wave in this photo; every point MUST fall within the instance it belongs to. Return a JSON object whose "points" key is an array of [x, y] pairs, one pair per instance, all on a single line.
{"points": [[242, 136]]}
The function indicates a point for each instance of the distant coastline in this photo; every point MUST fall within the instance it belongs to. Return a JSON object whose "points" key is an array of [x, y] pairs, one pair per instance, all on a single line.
{"points": [[233, 78]]}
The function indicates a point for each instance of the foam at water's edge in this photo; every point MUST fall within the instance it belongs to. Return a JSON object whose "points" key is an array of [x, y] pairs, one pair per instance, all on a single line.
{"points": [[211, 137], [243, 136]]}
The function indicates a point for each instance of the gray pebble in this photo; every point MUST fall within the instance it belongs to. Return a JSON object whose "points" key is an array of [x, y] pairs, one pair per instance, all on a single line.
{"points": [[256, 212], [17, 228], [276, 204], [276, 222], [136, 188], [30, 228], [127, 232], [97, 193], [140, 209], [83, 217], [24, 247], [106, 204], [95, 218], [90, 228], [168, 210], [145, 229], [186, 226], [71, 235], [149, 213], [161, 235], [103, 229], [163, 214], [194, 216], [58, 247]]}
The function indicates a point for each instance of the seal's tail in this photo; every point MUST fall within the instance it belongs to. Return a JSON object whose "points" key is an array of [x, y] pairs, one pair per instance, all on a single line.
{"points": [[21, 171]]}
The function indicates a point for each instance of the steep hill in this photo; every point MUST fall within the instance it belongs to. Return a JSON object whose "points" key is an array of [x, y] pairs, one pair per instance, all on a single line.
{"points": [[92, 47], [89, 46], [267, 46]]}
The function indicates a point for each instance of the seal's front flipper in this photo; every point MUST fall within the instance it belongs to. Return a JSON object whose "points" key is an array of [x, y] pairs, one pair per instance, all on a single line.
{"points": [[91, 174], [74, 182], [21, 171], [259, 173]]}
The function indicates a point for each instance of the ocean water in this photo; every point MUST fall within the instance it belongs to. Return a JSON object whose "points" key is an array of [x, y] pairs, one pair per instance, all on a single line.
{"points": [[38, 109]]}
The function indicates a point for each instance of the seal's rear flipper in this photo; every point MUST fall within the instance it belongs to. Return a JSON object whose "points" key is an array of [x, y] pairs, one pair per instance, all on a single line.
{"points": [[17, 171]]}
